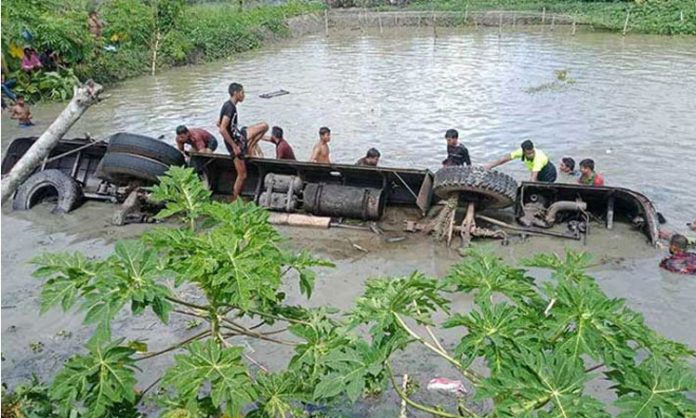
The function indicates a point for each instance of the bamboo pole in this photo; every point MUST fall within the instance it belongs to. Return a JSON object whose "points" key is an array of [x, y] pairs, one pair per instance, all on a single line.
{"points": [[379, 17], [84, 96], [500, 24], [574, 17], [543, 15], [625, 28], [553, 22], [326, 22]]}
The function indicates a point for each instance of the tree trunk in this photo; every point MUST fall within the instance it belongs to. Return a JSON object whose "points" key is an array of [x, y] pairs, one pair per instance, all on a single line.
{"points": [[85, 96]]}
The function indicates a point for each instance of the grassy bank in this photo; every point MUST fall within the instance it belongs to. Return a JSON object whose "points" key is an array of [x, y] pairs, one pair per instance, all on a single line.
{"points": [[664, 17], [135, 33]]}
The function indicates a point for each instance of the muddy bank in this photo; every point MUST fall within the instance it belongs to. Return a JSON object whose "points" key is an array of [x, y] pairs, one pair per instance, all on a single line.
{"points": [[625, 267]]}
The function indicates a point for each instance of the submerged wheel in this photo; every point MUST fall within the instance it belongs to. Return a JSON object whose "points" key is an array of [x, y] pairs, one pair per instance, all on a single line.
{"points": [[121, 169], [486, 188], [145, 146], [45, 186]]}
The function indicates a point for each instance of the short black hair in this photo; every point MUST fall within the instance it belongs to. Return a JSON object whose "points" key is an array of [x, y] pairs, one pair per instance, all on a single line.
{"points": [[569, 162], [277, 132], [679, 241], [234, 87], [324, 130], [527, 145], [181, 129], [373, 153], [587, 163], [19, 96], [452, 133]]}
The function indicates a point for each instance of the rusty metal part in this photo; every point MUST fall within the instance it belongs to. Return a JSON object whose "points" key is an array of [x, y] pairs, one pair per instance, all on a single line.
{"points": [[528, 229], [627, 203], [563, 205], [343, 201]]}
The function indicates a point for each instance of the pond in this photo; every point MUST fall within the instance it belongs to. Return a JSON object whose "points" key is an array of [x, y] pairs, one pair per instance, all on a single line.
{"points": [[627, 102]]}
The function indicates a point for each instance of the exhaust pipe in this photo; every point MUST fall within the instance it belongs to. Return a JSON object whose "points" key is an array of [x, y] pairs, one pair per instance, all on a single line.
{"points": [[562, 205]]}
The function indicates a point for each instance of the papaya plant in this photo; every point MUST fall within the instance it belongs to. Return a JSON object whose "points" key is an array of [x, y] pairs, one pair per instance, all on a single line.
{"points": [[527, 348]]}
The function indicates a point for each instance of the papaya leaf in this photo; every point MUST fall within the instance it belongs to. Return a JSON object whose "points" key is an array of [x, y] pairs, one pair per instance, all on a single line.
{"points": [[351, 368], [415, 296], [100, 380], [486, 274], [496, 332], [655, 388], [278, 395], [550, 384], [208, 365]]}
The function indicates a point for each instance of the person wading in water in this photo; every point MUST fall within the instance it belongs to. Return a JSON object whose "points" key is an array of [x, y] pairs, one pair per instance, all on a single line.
{"points": [[537, 162], [320, 152], [238, 140]]}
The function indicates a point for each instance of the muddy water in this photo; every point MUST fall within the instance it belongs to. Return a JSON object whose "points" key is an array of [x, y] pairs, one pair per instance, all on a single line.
{"points": [[630, 105]]}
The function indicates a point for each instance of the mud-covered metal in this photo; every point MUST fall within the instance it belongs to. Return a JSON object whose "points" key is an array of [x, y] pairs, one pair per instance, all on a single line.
{"points": [[609, 203], [343, 201]]}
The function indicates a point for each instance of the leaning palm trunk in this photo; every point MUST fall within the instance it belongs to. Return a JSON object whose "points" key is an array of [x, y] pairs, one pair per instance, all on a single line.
{"points": [[84, 96]]}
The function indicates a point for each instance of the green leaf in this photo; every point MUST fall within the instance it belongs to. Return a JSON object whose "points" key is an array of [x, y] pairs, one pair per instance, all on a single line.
{"points": [[415, 296], [278, 395], [487, 275], [655, 388], [99, 381], [183, 193], [207, 363], [497, 332], [548, 383], [352, 366]]}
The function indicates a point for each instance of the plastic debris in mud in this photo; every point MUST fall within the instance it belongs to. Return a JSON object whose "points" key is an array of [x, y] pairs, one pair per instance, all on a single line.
{"points": [[443, 384]]}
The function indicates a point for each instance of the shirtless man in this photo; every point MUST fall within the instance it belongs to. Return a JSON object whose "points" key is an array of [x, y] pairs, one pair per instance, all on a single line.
{"points": [[21, 112], [320, 152], [238, 139]]}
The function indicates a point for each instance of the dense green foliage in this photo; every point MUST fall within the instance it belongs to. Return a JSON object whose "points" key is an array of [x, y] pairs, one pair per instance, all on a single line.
{"points": [[664, 17], [531, 348], [133, 29]]}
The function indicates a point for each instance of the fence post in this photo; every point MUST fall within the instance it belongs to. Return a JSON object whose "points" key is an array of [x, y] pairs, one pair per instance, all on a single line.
{"points": [[379, 16], [574, 18], [326, 22], [681, 16], [500, 24], [553, 21], [514, 19], [466, 12], [543, 15]]}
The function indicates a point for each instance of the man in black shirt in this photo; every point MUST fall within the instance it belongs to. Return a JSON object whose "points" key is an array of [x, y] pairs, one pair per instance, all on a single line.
{"points": [[456, 154], [238, 140]]}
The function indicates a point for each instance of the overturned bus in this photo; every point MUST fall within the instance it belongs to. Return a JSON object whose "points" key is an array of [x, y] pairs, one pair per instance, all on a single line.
{"points": [[117, 168]]}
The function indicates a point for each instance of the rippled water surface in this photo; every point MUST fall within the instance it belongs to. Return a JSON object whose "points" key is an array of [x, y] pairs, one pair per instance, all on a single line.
{"points": [[629, 103]]}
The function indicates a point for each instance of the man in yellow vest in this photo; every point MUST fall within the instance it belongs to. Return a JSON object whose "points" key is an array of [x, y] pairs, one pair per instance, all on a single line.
{"points": [[536, 160]]}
